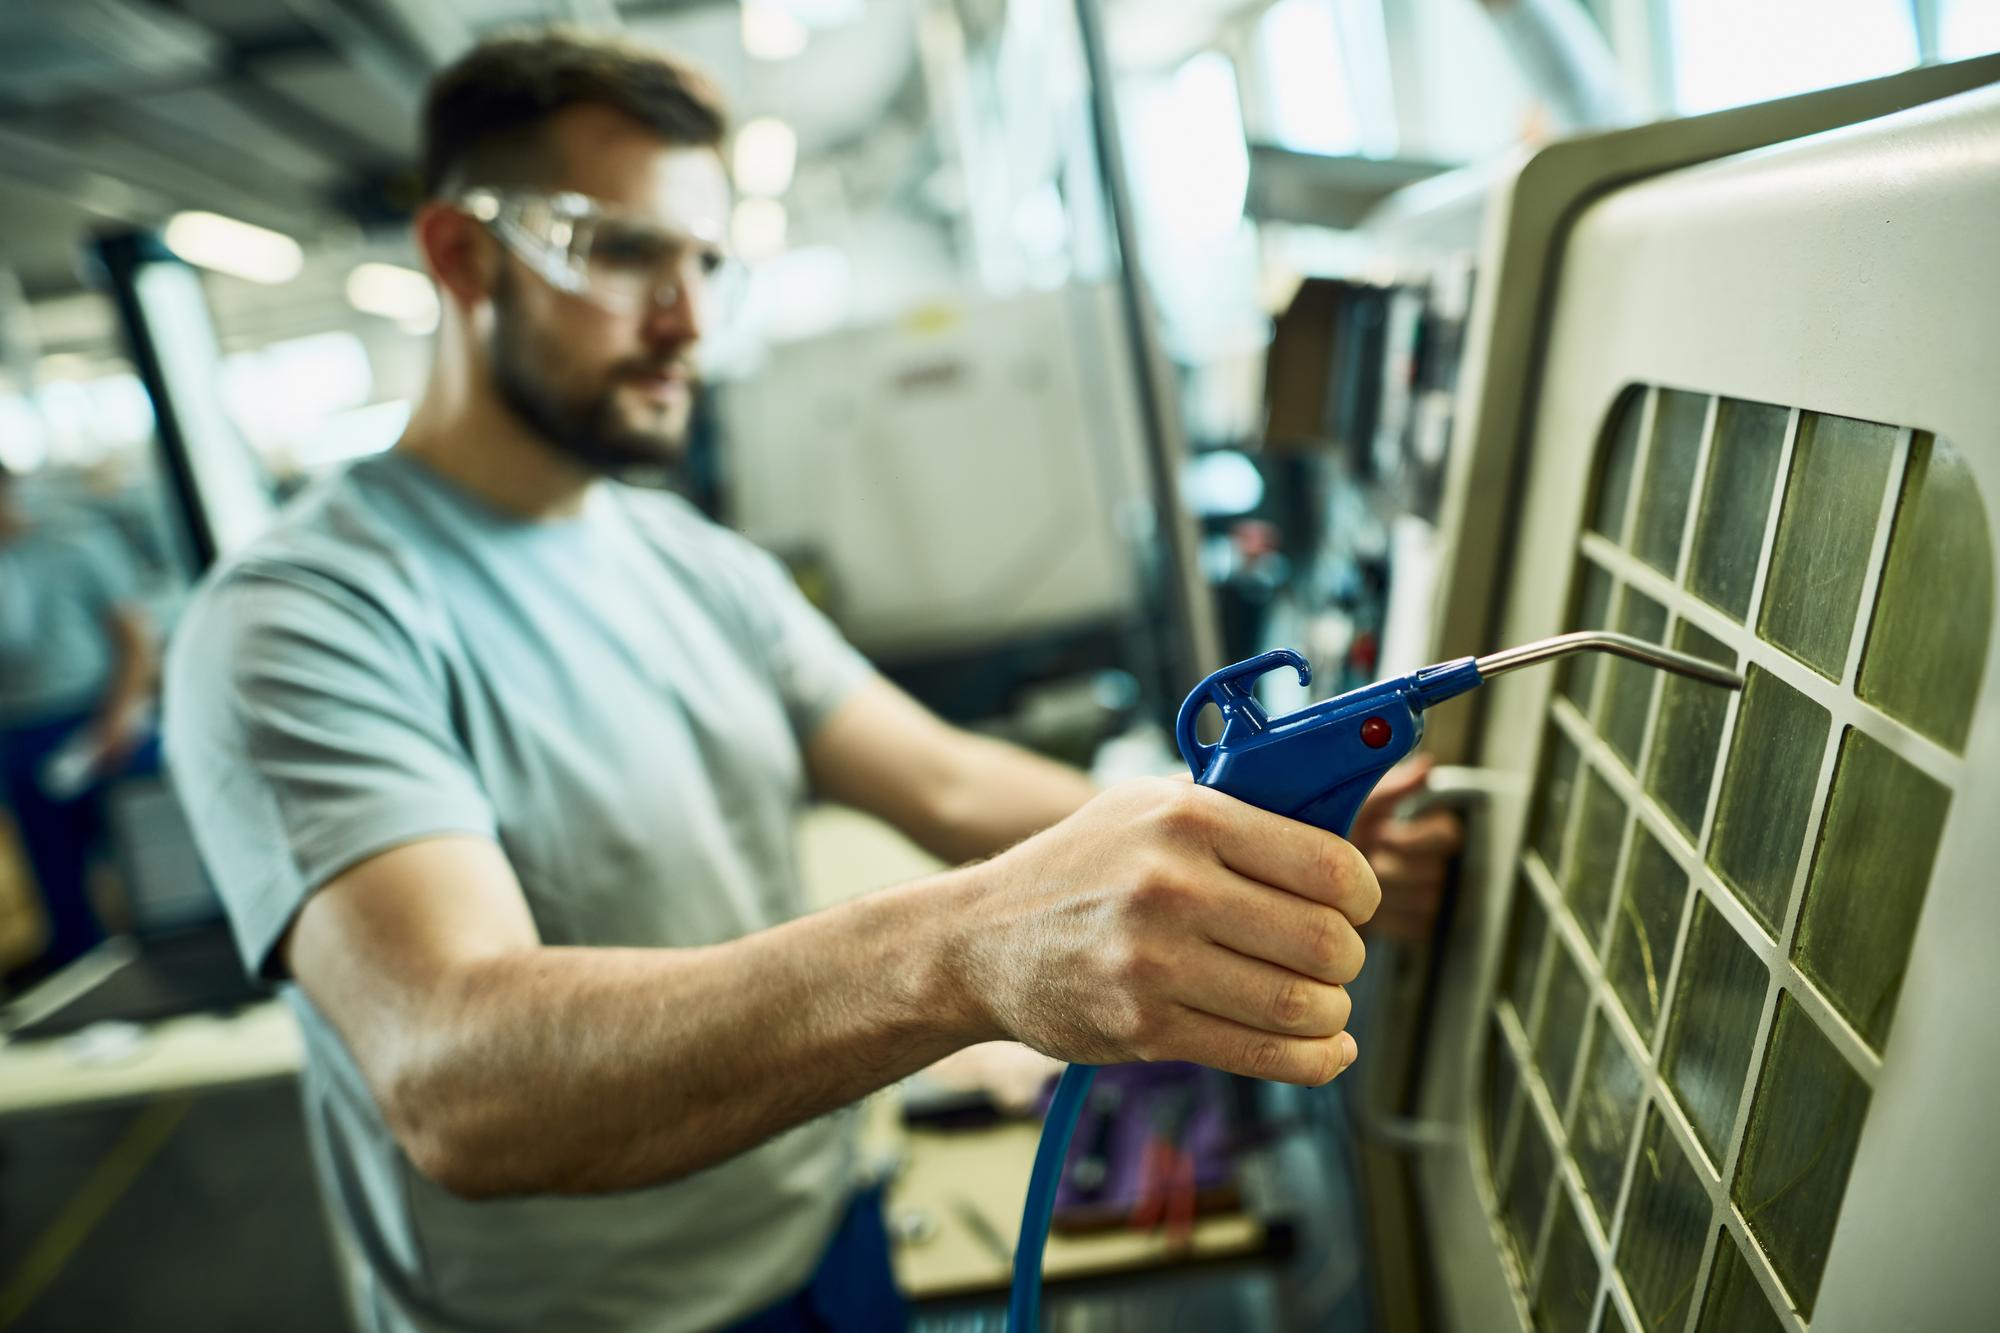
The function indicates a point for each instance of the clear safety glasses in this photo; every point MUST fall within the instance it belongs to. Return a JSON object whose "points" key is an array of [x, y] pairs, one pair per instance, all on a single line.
{"points": [[616, 260]]}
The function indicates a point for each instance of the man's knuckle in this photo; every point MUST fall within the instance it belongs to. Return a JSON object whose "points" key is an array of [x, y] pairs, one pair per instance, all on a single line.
{"points": [[1147, 1034], [1157, 890], [1337, 950], [1359, 888], [1263, 1056], [1185, 810], [1328, 945], [1291, 1004], [1143, 969], [1332, 867], [1119, 961], [1354, 957]]}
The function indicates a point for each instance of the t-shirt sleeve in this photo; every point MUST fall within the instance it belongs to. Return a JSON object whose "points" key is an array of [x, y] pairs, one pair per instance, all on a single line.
{"points": [[813, 665], [305, 733]]}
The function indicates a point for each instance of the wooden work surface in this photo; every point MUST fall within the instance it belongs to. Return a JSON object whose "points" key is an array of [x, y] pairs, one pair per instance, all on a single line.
{"points": [[179, 1055], [972, 1183]]}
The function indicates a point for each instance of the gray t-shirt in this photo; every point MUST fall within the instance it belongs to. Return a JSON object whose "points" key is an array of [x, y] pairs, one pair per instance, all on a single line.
{"points": [[59, 582], [620, 700]]}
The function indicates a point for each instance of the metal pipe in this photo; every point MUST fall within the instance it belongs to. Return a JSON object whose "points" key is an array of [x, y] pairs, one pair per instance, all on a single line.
{"points": [[1194, 648], [1604, 641]]}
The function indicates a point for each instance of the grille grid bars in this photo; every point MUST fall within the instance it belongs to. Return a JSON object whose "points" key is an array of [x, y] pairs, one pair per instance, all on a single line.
{"points": [[1587, 944]]}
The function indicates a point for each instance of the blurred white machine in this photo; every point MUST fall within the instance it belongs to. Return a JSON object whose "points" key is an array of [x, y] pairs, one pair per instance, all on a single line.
{"points": [[965, 477]]}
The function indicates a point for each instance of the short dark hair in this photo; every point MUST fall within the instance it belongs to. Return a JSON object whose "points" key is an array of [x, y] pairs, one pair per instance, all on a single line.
{"points": [[485, 111]]}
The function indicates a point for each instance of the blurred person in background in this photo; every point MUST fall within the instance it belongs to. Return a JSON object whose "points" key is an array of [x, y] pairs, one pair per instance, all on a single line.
{"points": [[76, 677], [496, 762]]}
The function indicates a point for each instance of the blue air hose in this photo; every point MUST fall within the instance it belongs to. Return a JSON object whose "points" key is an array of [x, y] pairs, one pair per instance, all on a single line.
{"points": [[1024, 1304]]}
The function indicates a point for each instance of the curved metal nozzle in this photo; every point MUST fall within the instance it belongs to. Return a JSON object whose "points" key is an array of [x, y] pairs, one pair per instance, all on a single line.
{"points": [[1604, 641]]}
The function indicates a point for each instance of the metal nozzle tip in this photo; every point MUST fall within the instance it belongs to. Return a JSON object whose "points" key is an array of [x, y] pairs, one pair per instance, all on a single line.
{"points": [[1605, 641]]}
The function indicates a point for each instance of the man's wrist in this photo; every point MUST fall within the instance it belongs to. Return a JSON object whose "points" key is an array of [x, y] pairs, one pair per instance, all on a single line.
{"points": [[951, 988]]}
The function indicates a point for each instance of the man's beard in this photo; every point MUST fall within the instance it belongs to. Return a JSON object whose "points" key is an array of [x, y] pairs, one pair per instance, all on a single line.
{"points": [[591, 433]]}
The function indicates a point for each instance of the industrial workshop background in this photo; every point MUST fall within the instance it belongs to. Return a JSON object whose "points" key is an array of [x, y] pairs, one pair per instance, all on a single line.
{"points": [[1089, 345]]}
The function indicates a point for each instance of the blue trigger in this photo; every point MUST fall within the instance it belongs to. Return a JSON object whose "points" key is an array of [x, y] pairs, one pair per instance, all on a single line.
{"points": [[1242, 716]]}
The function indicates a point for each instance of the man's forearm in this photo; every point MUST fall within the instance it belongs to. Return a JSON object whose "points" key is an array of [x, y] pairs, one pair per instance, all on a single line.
{"points": [[576, 1070], [131, 679], [998, 795], [958, 795], [1161, 922]]}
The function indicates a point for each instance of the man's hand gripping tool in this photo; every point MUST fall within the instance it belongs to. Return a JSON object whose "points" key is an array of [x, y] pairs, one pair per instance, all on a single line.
{"points": [[1316, 765]]}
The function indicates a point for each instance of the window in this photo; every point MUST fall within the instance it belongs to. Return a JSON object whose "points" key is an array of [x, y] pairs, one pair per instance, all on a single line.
{"points": [[1718, 893], [1298, 46], [1967, 28], [1727, 53]]}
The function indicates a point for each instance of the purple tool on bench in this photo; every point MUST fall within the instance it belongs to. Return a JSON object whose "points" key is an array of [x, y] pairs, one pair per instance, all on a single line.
{"points": [[1104, 1181]]}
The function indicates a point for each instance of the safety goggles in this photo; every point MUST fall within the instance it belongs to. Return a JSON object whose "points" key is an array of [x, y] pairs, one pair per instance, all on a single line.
{"points": [[616, 260]]}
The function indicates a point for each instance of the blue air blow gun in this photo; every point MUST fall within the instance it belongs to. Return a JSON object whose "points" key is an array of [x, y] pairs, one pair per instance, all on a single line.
{"points": [[1316, 765]]}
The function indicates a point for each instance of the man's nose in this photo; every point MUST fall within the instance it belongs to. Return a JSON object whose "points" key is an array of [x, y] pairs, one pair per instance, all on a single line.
{"points": [[675, 315]]}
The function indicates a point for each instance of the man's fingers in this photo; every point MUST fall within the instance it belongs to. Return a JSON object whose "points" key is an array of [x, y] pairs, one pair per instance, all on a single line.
{"points": [[1221, 982], [1436, 833], [1240, 1049], [1401, 782], [1259, 921], [1294, 856]]}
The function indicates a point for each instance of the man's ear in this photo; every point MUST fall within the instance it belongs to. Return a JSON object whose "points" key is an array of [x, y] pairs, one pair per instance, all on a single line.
{"points": [[458, 251]]}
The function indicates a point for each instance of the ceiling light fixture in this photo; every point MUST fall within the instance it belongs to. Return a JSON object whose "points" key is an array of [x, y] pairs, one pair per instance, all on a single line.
{"points": [[767, 150], [757, 229], [236, 248], [771, 32], [394, 292]]}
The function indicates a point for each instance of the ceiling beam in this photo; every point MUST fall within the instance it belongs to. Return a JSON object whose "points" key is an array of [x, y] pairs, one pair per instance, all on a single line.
{"points": [[290, 116], [397, 69], [49, 169], [235, 77], [106, 151], [437, 32]]}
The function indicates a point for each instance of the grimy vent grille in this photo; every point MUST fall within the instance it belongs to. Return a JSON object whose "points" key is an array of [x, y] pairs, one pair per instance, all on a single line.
{"points": [[1718, 893]]}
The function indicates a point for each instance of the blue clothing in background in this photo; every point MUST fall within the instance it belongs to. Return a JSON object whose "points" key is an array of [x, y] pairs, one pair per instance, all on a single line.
{"points": [[55, 834], [852, 1291]]}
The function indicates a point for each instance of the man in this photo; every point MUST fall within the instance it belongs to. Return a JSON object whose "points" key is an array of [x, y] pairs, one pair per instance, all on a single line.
{"points": [[497, 761], [76, 677]]}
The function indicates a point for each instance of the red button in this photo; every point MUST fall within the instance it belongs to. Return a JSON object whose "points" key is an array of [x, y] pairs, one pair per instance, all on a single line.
{"points": [[1375, 733]]}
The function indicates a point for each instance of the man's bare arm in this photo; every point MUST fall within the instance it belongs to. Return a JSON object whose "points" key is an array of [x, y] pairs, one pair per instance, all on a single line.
{"points": [[1160, 922], [135, 664], [505, 1066], [956, 794]]}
